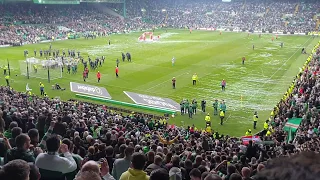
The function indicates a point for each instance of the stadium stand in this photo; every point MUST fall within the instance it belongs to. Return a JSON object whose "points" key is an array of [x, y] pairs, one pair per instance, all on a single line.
{"points": [[78, 140], [32, 23]]}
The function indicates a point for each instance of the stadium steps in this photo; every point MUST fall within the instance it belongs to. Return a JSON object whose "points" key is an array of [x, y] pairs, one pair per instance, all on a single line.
{"points": [[317, 25], [107, 10], [267, 10], [296, 9]]}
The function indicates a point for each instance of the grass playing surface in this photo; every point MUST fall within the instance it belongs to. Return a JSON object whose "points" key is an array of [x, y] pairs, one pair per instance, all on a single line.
{"points": [[267, 73]]}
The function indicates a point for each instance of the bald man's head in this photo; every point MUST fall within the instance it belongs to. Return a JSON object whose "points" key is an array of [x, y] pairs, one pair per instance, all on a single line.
{"points": [[212, 177], [88, 175], [245, 172], [91, 166], [260, 167]]}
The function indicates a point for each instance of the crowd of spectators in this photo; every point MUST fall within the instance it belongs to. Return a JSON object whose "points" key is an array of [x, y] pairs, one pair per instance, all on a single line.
{"points": [[255, 15], [30, 23], [79, 140], [50, 139], [304, 102]]}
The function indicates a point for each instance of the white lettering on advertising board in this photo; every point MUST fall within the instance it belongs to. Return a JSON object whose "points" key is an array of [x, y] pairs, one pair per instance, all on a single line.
{"points": [[90, 89], [151, 97], [153, 101], [160, 103]]}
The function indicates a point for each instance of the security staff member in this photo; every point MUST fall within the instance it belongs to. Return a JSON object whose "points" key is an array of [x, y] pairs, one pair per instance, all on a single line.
{"points": [[272, 114], [268, 134], [209, 129], [35, 67], [164, 121], [255, 120], [249, 133], [265, 127], [41, 88], [221, 117], [5, 68], [208, 120], [7, 77], [194, 79]]}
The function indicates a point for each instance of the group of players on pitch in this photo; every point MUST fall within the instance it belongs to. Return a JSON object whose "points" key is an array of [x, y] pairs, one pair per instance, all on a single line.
{"points": [[85, 73], [191, 109]]}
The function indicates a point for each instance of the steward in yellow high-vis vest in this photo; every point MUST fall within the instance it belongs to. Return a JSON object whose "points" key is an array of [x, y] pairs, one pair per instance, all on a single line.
{"points": [[194, 79], [208, 120], [7, 77], [249, 133], [35, 68], [5, 68], [41, 88], [268, 134], [266, 125], [221, 117], [208, 130]]}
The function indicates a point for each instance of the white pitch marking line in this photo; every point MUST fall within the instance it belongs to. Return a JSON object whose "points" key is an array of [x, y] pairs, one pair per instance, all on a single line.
{"points": [[227, 118]]}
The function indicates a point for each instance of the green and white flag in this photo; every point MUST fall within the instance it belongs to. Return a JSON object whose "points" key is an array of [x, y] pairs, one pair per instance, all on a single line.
{"points": [[292, 125]]}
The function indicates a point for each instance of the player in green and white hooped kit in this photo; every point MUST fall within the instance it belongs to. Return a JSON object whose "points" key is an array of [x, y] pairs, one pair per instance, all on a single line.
{"points": [[186, 106], [223, 106], [194, 106]]}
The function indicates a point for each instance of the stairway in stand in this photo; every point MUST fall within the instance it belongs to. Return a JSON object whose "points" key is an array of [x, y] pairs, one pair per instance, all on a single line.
{"points": [[297, 9], [317, 25]]}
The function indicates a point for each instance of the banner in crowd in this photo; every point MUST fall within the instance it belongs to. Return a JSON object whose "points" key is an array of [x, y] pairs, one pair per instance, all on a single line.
{"points": [[292, 125], [89, 90], [153, 101], [245, 139]]}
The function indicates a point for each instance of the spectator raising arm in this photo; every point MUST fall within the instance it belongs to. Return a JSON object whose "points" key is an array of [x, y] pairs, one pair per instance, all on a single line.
{"points": [[68, 163], [51, 164], [42, 144], [167, 141]]}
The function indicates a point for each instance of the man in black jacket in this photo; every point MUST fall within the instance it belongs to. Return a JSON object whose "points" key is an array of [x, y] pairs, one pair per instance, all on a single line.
{"points": [[251, 150]]}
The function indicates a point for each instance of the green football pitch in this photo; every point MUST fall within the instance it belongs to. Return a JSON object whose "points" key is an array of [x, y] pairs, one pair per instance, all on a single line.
{"points": [[261, 82]]}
